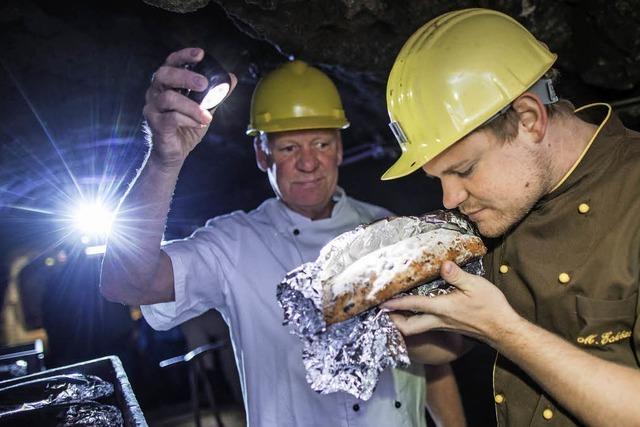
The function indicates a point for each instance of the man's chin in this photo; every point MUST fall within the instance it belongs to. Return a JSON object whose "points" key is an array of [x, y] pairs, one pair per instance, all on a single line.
{"points": [[490, 233], [308, 204], [314, 197], [493, 229]]}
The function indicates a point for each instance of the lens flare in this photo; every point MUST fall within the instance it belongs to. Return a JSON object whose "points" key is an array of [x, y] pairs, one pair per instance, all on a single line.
{"points": [[92, 219]]}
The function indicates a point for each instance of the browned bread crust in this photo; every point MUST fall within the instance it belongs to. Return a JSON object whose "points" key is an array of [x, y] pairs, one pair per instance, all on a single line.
{"points": [[397, 268]]}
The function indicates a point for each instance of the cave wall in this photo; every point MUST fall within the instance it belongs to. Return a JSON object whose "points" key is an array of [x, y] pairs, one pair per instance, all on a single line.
{"points": [[73, 76]]}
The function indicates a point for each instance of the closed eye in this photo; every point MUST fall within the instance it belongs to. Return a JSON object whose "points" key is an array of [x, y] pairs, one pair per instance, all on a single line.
{"points": [[467, 172]]}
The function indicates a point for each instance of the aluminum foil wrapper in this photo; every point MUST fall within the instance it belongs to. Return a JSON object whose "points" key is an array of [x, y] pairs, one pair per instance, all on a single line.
{"points": [[91, 414], [349, 356], [346, 356], [51, 391]]}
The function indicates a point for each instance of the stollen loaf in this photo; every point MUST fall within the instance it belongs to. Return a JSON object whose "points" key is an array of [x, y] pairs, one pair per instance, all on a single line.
{"points": [[365, 267]]}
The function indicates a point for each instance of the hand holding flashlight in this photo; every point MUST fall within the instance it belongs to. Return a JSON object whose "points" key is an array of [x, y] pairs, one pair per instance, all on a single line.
{"points": [[218, 82], [177, 123]]}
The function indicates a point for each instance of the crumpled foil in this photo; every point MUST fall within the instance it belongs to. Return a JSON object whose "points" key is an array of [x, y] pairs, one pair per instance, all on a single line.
{"points": [[51, 391], [349, 356], [92, 414]]}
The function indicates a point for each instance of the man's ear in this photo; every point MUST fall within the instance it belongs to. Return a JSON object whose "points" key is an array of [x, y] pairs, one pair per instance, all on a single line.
{"points": [[262, 158], [532, 114]]}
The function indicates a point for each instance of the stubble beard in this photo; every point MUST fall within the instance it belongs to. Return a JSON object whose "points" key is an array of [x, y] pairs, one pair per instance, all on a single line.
{"points": [[510, 216]]}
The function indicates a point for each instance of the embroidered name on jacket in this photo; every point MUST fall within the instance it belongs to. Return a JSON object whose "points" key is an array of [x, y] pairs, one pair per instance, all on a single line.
{"points": [[604, 338]]}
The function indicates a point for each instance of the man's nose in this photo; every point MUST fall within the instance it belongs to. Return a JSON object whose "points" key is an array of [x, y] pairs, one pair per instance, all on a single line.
{"points": [[453, 193], [307, 160]]}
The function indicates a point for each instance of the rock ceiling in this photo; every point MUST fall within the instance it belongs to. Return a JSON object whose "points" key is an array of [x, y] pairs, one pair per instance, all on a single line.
{"points": [[73, 76]]}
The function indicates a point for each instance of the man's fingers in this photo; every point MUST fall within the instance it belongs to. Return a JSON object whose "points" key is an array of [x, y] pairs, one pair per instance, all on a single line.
{"points": [[172, 74], [234, 82], [416, 324], [173, 101], [170, 100], [183, 56], [171, 120], [456, 276], [167, 77], [409, 303]]}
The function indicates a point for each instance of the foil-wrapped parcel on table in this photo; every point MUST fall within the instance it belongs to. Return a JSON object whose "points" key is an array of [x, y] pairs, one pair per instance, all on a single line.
{"points": [[350, 355]]}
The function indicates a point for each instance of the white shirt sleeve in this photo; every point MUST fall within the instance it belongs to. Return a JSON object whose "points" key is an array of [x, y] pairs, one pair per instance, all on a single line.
{"points": [[199, 279]]}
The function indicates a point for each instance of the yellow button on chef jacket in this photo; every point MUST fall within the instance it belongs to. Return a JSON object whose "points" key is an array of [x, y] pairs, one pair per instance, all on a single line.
{"points": [[575, 273]]}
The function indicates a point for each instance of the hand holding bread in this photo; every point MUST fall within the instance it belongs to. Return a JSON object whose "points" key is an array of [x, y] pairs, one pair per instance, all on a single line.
{"points": [[402, 253]]}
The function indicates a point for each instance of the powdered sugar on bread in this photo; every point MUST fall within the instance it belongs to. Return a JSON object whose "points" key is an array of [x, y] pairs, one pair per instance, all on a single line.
{"points": [[371, 264]]}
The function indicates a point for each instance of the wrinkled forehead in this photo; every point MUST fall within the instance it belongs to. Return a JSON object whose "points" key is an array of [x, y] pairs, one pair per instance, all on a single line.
{"points": [[301, 136]]}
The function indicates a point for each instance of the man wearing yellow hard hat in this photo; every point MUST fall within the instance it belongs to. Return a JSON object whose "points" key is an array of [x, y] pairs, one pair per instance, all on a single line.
{"points": [[235, 262], [554, 191]]}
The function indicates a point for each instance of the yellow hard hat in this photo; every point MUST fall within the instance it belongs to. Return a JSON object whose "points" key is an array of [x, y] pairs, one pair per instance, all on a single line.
{"points": [[455, 73], [295, 96]]}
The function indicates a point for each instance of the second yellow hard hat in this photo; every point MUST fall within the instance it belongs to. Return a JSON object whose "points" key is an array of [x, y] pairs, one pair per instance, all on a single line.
{"points": [[295, 96]]}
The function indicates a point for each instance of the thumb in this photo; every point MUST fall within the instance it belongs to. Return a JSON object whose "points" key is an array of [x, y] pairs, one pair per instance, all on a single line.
{"points": [[456, 276], [234, 82]]}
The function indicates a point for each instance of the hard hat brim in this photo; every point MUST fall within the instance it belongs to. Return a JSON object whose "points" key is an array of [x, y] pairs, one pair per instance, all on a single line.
{"points": [[404, 166], [299, 123]]}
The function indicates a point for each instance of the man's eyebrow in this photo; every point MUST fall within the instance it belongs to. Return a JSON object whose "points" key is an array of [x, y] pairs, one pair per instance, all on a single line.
{"points": [[450, 170], [312, 141], [453, 168], [284, 141]]}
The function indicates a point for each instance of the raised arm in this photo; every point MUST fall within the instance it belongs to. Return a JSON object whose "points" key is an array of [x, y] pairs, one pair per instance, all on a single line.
{"points": [[135, 270]]}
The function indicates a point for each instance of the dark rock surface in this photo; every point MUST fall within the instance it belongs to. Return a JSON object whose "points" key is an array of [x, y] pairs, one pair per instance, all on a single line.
{"points": [[73, 76]]}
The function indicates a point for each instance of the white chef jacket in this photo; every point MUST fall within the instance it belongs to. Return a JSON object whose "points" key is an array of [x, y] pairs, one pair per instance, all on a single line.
{"points": [[234, 264]]}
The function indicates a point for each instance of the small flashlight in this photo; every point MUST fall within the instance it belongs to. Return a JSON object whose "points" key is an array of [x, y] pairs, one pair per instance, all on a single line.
{"points": [[219, 82]]}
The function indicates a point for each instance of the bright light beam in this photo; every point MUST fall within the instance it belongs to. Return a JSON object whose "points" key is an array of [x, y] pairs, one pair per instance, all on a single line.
{"points": [[95, 250], [45, 129], [92, 219]]}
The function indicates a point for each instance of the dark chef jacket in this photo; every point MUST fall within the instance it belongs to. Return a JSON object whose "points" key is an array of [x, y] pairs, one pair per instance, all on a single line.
{"points": [[572, 266]]}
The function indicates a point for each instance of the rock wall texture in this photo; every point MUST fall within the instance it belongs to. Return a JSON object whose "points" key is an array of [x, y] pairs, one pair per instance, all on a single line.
{"points": [[73, 76]]}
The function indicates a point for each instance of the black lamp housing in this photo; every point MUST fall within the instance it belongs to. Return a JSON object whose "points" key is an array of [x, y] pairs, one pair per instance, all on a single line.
{"points": [[219, 82]]}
